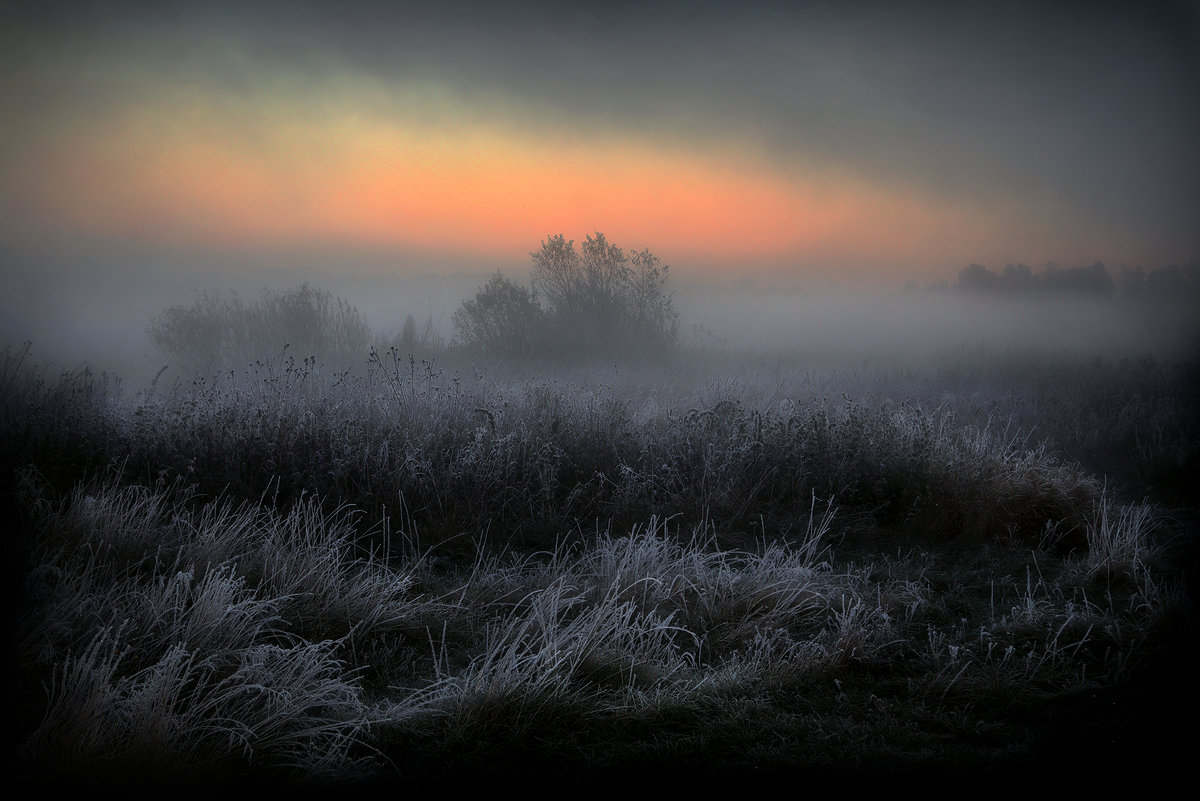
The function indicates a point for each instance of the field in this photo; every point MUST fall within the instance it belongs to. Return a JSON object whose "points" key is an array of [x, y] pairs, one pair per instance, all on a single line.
{"points": [[732, 569]]}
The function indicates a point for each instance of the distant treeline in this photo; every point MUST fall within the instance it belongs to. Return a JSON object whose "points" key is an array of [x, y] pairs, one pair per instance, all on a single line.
{"points": [[596, 302], [1173, 283]]}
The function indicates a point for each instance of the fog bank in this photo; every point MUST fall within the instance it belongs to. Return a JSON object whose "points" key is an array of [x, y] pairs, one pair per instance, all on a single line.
{"points": [[82, 309]]}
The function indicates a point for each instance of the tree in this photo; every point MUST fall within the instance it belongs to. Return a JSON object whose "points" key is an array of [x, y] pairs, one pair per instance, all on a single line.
{"points": [[407, 340], [653, 307], [977, 278], [1082, 281], [503, 318], [196, 338], [599, 300], [1017, 279]]}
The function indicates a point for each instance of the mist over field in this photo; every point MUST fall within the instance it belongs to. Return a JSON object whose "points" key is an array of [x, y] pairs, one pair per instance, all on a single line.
{"points": [[91, 309], [96, 308], [821, 155], [683, 395]]}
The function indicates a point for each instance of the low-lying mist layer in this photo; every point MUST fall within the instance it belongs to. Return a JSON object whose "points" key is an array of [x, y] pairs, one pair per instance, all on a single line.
{"points": [[108, 324]]}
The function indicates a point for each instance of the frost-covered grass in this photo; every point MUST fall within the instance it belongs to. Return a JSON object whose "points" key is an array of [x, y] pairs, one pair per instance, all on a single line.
{"points": [[533, 457], [399, 574]]}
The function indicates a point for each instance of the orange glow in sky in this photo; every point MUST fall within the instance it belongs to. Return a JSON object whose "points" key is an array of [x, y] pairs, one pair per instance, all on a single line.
{"points": [[191, 174], [831, 145]]}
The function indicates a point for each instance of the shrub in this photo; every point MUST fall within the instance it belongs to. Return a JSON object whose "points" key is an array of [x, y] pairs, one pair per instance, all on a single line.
{"points": [[216, 334]]}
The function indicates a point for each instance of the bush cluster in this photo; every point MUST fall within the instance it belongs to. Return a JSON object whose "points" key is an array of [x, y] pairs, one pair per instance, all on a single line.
{"points": [[598, 300], [217, 334]]}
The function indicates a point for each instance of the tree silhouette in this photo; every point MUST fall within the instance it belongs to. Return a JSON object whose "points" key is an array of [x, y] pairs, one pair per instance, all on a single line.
{"points": [[503, 318], [600, 300], [595, 301]]}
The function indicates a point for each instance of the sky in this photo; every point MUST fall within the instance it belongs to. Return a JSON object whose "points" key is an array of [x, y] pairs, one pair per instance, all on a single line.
{"points": [[152, 149], [842, 139]]}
